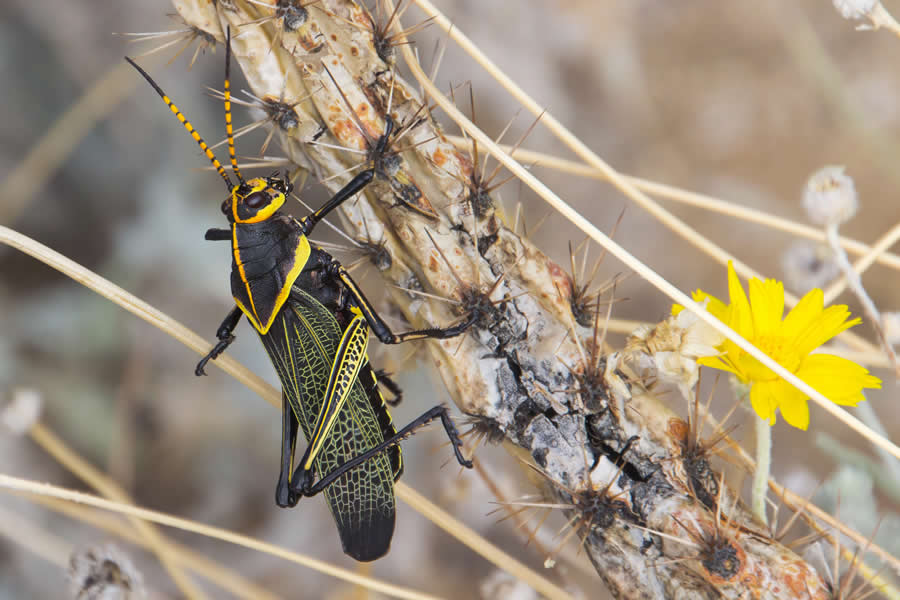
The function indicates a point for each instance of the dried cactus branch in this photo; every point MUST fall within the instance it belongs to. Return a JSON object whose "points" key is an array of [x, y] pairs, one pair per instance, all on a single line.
{"points": [[655, 524]]}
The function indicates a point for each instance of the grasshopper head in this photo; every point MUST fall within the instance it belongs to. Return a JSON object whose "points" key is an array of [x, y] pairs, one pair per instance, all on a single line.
{"points": [[256, 200]]}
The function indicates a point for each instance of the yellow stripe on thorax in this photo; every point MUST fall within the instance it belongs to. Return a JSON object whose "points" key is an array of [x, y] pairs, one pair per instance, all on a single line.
{"points": [[301, 255]]}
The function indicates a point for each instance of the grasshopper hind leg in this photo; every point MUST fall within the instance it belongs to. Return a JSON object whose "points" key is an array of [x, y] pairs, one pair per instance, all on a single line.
{"points": [[285, 496], [301, 482]]}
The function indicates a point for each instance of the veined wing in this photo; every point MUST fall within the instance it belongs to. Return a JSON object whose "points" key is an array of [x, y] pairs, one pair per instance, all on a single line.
{"points": [[302, 344]]}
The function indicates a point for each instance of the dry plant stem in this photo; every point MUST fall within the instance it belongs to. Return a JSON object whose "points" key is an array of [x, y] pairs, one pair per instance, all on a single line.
{"points": [[241, 373], [878, 249], [633, 263], [51, 491], [29, 176], [213, 572], [851, 276], [64, 455], [588, 156], [876, 253]]}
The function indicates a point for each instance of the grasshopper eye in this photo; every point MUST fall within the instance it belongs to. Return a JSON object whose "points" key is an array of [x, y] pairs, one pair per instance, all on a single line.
{"points": [[256, 200]]}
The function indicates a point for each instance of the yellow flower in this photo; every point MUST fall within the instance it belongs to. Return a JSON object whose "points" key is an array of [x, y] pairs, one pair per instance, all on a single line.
{"points": [[789, 342]]}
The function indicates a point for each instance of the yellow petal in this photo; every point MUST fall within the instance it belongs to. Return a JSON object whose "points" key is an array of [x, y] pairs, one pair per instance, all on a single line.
{"points": [[851, 400], [741, 317], [755, 370], [763, 400], [767, 300], [717, 362], [803, 314], [838, 379], [714, 306], [828, 324], [793, 404]]}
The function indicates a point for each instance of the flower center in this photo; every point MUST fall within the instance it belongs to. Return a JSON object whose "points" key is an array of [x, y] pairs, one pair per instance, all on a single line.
{"points": [[778, 348]]}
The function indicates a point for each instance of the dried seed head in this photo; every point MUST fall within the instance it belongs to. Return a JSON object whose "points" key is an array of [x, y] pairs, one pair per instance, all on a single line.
{"points": [[23, 410], [672, 347], [855, 9], [830, 197], [104, 573], [807, 266]]}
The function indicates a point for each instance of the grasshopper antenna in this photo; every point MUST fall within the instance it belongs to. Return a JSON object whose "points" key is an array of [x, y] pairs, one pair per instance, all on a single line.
{"points": [[190, 128], [227, 93]]}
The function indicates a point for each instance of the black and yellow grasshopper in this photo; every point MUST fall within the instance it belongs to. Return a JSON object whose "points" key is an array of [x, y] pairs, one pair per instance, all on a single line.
{"points": [[314, 323]]}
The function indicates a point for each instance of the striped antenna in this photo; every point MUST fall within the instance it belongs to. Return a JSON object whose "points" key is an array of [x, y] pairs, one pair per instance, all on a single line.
{"points": [[227, 94], [187, 124]]}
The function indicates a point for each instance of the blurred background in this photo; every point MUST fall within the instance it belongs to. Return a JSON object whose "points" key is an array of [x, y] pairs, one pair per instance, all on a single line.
{"points": [[740, 100]]}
